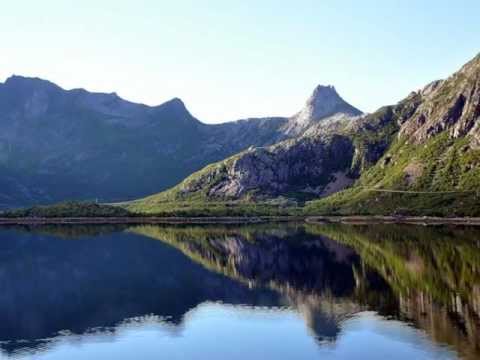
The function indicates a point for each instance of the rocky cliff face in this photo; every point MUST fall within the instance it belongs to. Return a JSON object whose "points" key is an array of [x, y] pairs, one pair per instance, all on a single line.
{"points": [[451, 105], [312, 165], [305, 165]]}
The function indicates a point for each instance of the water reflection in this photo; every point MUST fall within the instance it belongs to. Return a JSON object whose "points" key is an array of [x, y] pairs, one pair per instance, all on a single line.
{"points": [[434, 272], [86, 283]]}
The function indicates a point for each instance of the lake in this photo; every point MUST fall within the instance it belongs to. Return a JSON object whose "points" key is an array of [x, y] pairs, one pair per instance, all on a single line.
{"points": [[266, 291]]}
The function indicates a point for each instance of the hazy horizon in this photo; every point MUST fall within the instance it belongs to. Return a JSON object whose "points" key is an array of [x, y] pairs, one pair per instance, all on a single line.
{"points": [[227, 62]]}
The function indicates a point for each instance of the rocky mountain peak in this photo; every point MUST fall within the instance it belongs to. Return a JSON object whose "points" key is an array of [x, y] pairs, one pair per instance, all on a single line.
{"points": [[176, 102], [324, 103], [324, 91], [176, 112], [175, 105], [29, 83], [29, 96]]}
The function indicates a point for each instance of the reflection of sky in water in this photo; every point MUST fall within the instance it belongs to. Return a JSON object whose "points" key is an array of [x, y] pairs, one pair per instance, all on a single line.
{"points": [[219, 331], [256, 292]]}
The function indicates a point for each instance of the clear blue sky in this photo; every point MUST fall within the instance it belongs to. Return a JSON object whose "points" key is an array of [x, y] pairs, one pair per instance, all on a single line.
{"points": [[235, 59]]}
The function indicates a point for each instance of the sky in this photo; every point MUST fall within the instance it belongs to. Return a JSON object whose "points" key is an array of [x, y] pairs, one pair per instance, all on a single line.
{"points": [[236, 59]]}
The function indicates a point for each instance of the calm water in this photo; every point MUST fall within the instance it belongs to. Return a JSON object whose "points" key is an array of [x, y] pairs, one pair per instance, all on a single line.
{"points": [[240, 292]]}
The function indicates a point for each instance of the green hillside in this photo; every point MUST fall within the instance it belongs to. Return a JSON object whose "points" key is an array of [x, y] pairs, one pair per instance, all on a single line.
{"points": [[418, 157]]}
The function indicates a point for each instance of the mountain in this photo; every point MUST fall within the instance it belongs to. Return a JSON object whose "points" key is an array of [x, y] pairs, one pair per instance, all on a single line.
{"points": [[432, 164], [58, 144], [452, 105], [324, 103], [296, 168], [420, 156]]}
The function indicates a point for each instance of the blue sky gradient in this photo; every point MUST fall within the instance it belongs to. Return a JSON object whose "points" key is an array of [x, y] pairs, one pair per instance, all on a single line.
{"points": [[237, 59]]}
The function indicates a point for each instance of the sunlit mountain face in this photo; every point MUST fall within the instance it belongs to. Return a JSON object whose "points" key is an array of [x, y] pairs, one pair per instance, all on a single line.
{"points": [[276, 291]]}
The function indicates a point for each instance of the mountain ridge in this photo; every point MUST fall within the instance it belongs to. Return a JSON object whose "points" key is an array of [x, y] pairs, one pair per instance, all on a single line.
{"points": [[58, 144], [419, 156]]}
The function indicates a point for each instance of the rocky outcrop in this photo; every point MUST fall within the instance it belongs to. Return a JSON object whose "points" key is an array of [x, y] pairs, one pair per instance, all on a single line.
{"points": [[451, 105], [326, 158], [310, 164], [303, 167]]}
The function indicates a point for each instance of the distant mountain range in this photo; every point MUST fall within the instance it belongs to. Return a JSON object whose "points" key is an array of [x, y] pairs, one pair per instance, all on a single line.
{"points": [[57, 144], [420, 156]]}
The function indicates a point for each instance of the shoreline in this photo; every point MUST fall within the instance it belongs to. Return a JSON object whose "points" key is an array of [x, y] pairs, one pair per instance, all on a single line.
{"points": [[353, 220]]}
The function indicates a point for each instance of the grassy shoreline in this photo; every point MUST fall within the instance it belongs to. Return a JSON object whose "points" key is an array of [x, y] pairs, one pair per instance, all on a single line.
{"points": [[354, 220]]}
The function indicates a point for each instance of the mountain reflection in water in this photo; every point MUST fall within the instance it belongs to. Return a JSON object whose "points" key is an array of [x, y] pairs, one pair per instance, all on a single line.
{"points": [[84, 282]]}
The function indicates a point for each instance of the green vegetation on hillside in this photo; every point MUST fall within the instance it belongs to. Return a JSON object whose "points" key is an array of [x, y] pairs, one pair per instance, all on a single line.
{"points": [[440, 177], [418, 157], [202, 208], [69, 209], [375, 133]]}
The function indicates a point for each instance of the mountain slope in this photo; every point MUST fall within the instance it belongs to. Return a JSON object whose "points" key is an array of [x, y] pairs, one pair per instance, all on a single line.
{"points": [[452, 105], [325, 159], [67, 150], [420, 156], [299, 168], [433, 164], [57, 144]]}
